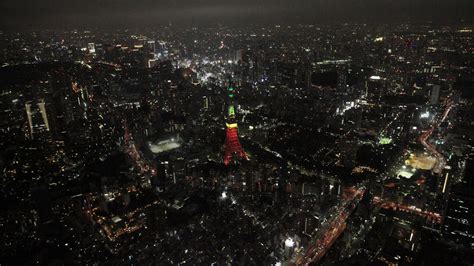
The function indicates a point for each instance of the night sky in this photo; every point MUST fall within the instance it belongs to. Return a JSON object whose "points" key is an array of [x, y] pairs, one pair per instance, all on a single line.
{"points": [[57, 13]]}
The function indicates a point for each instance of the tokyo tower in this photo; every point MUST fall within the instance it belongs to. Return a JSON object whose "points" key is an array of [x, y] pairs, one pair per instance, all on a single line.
{"points": [[232, 148]]}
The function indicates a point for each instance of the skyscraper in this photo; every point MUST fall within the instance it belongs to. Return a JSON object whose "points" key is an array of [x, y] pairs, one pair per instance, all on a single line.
{"points": [[37, 118], [434, 97], [341, 81]]}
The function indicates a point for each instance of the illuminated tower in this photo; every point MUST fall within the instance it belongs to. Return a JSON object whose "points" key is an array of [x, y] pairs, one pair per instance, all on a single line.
{"points": [[232, 147]]}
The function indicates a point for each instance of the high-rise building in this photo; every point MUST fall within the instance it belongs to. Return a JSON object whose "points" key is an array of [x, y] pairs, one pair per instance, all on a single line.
{"points": [[206, 100], [91, 47], [37, 118], [42, 201], [237, 56], [434, 97], [152, 48], [232, 147], [249, 67], [374, 89], [341, 81]]}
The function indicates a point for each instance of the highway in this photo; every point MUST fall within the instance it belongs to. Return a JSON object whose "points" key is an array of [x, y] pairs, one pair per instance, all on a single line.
{"points": [[384, 204], [440, 160], [134, 154], [330, 230]]}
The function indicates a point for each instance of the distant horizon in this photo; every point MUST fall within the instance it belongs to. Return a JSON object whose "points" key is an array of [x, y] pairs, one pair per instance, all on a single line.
{"points": [[202, 25], [23, 14]]}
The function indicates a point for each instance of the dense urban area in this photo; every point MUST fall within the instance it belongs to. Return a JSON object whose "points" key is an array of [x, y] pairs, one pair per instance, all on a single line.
{"points": [[335, 144]]}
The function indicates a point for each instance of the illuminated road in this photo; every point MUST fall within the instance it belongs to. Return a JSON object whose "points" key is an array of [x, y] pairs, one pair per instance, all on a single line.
{"points": [[440, 160], [384, 204], [132, 151], [325, 236]]}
